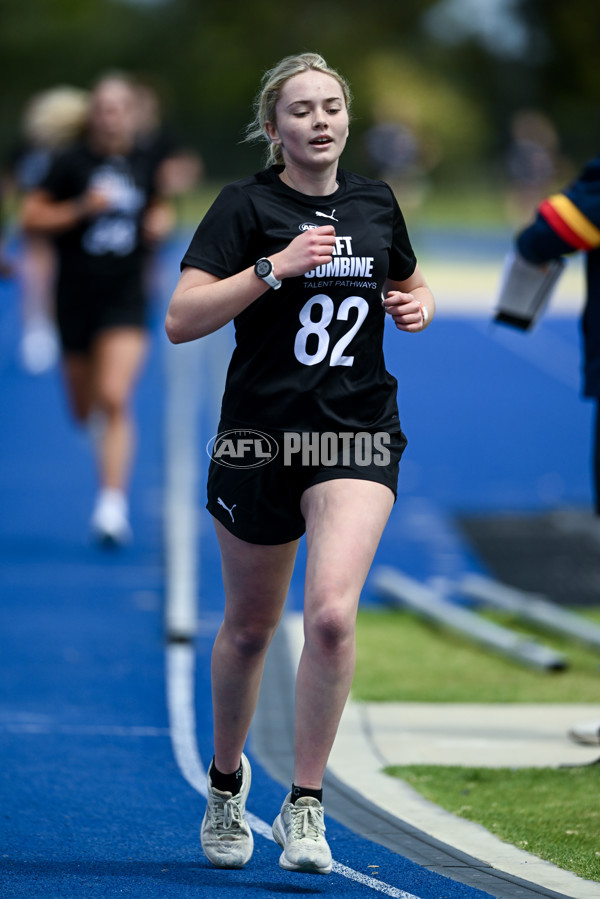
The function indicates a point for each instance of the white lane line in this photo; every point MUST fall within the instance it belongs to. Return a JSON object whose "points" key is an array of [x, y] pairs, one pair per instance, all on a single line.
{"points": [[94, 730], [180, 699], [183, 364], [373, 884], [182, 717]]}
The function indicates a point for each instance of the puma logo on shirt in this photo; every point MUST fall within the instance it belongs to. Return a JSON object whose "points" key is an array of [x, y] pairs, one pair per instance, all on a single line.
{"points": [[325, 216]]}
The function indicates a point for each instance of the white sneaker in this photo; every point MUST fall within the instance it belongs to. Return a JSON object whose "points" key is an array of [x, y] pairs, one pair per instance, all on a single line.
{"points": [[110, 523], [299, 829], [225, 836], [588, 732]]}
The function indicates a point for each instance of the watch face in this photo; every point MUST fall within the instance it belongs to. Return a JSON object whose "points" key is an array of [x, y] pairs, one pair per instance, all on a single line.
{"points": [[263, 267]]}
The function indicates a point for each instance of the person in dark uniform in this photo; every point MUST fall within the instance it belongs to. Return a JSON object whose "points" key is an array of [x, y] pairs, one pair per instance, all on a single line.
{"points": [[100, 203], [307, 260], [567, 222]]}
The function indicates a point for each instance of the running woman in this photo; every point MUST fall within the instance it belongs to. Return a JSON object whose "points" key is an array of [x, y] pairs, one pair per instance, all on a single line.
{"points": [[308, 260], [100, 203], [53, 120]]}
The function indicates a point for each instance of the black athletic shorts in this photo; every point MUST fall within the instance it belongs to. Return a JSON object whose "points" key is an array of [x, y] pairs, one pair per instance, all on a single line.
{"points": [[256, 479], [87, 306]]}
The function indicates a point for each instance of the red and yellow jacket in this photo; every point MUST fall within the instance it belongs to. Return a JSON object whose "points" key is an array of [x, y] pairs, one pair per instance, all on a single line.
{"points": [[567, 222]]}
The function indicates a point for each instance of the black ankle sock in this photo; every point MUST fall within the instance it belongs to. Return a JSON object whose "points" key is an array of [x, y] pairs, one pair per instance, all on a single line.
{"points": [[226, 783], [298, 792]]}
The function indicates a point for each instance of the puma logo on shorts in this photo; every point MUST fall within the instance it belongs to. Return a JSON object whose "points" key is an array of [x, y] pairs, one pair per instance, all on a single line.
{"points": [[221, 503]]}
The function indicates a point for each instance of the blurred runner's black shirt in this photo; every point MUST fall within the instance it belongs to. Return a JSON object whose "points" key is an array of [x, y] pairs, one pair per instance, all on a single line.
{"points": [[111, 242]]}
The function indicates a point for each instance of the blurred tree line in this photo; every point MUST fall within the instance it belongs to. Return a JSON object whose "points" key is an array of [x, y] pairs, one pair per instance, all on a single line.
{"points": [[454, 71]]}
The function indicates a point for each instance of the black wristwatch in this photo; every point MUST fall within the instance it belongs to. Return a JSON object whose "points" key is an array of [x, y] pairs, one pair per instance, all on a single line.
{"points": [[264, 269]]}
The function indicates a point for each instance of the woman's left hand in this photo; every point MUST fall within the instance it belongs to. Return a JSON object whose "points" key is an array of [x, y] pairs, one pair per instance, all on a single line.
{"points": [[408, 313]]}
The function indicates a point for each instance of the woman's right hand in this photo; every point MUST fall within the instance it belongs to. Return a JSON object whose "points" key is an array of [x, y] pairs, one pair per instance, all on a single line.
{"points": [[305, 252]]}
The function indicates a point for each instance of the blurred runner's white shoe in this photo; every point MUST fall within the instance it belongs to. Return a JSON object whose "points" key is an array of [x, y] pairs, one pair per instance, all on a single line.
{"points": [[588, 732], [39, 348], [299, 829], [225, 836], [110, 523]]}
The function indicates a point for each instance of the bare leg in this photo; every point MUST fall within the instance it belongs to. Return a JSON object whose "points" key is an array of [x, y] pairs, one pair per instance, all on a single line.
{"points": [[39, 344], [78, 372], [38, 267], [256, 580], [345, 520], [117, 356]]}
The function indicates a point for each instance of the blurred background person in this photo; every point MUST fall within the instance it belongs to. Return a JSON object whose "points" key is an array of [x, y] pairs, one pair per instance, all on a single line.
{"points": [[532, 163], [52, 120], [567, 222], [401, 157], [101, 203], [6, 265], [179, 168]]}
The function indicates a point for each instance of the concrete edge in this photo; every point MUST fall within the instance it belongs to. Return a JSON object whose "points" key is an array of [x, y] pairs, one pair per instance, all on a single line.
{"points": [[354, 762]]}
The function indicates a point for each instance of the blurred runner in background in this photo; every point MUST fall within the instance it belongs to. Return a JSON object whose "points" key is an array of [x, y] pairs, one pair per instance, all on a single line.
{"points": [[101, 203], [52, 120]]}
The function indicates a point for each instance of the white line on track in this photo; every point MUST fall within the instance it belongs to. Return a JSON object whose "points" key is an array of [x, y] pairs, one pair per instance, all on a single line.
{"points": [[93, 730], [182, 587], [180, 698]]}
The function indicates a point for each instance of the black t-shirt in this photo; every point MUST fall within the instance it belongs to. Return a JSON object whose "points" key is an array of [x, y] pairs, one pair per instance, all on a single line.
{"points": [[309, 356], [109, 243]]}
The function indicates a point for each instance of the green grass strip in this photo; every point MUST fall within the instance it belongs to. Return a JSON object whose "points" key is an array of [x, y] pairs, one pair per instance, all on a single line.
{"points": [[401, 658], [552, 813]]}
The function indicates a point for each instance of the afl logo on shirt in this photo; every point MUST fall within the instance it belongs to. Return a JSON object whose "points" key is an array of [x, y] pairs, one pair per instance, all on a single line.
{"points": [[307, 226], [242, 449]]}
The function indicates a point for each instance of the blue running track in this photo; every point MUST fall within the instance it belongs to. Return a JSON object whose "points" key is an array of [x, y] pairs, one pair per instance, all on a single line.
{"points": [[104, 728]]}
